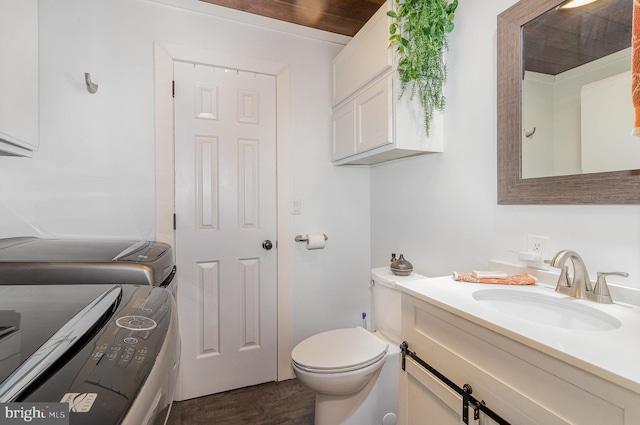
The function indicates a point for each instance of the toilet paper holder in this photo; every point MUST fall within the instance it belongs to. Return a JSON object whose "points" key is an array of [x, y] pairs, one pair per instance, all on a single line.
{"points": [[301, 238]]}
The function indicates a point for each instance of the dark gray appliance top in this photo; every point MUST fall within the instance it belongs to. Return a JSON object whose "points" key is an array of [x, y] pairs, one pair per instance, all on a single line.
{"points": [[109, 364], [31, 314], [32, 260]]}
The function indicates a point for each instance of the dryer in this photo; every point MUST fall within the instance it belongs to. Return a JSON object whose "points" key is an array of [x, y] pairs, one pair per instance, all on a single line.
{"points": [[82, 261]]}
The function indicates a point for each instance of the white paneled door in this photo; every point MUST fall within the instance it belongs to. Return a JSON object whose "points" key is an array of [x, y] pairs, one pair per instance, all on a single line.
{"points": [[225, 195]]}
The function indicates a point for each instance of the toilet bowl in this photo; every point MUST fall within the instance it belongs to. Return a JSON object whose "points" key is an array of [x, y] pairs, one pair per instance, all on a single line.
{"points": [[338, 362], [354, 371]]}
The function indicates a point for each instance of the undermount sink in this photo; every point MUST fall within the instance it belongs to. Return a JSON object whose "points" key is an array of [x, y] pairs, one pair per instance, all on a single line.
{"points": [[546, 309]]}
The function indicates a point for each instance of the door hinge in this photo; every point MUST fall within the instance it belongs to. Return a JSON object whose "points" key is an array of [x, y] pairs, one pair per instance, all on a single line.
{"points": [[173, 88], [174, 222]]}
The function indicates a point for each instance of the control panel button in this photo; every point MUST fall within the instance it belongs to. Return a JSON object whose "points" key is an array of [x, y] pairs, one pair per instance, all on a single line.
{"points": [[136, 323]]}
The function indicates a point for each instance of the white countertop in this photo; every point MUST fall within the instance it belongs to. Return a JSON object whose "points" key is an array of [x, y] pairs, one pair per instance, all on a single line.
{"points": [[613, 354]]}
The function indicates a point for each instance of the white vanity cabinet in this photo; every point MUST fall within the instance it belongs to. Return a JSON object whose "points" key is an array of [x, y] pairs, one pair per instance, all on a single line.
{"points": [[18, 77], [370, 124], [522, 385]]}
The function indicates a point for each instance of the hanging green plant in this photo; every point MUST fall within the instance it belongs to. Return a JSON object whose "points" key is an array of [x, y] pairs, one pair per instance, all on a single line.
{"points": [[419, 34]]}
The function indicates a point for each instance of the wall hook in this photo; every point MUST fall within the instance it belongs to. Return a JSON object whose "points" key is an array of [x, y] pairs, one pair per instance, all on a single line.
{"points": [[91, 86], [528, 134]]}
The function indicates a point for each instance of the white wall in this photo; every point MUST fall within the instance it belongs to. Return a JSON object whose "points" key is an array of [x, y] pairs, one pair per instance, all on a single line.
{"points": [[566, 139], [606, 111], [94, 174], [441, 211], [537, 116]]}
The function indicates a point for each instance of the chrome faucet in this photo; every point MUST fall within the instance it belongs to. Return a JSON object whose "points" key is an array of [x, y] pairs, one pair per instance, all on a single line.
{"points": [[580, 285]]}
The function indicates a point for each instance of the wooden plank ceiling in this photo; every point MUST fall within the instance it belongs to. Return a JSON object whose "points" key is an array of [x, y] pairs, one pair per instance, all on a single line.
{"points": [[554, 42], [562, 39], [344, 17]]}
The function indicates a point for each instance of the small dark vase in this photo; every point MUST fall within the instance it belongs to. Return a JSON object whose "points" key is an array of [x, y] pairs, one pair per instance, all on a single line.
{"points": [[401, 267]]}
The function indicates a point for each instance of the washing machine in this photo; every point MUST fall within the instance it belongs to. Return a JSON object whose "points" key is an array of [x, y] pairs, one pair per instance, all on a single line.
{"points": [[82, 261], [108, 351]]}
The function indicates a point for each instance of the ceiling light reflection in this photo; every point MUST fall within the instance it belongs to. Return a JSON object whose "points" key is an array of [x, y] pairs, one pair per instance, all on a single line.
{"points": [[575, 3]]}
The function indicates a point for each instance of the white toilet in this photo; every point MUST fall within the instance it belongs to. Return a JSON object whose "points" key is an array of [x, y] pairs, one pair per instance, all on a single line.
{"points": [[355, 372]]}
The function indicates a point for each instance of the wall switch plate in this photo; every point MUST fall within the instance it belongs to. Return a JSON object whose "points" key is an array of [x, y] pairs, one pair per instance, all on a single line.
{"points": [[296, 208], [538, 245]]}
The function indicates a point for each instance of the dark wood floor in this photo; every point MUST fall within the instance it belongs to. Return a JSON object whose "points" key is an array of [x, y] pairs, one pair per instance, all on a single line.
{"points": [[275, 403]]}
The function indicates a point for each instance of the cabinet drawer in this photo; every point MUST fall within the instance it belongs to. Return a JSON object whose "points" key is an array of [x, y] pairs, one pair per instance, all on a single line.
{"points": [[366, 56]]}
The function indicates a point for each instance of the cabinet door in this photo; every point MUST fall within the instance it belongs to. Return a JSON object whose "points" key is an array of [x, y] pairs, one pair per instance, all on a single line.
{"points": [[366, 56], [374, 109], [344, 131], [18, 74], [425, 400]]}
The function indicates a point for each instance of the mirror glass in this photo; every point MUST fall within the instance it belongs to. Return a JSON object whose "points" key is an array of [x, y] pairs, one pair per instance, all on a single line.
{"points": [[566, 38], [577, 112]]}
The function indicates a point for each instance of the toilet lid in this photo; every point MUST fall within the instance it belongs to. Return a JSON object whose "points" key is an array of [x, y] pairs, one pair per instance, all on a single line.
{"points": [[339, 350]]}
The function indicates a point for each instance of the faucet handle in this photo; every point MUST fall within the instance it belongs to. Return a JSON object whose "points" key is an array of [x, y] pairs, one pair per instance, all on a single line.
{"points": [[605, 274], [600, 291]]}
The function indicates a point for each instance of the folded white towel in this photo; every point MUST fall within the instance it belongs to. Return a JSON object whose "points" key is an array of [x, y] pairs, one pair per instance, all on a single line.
{"points": [[488, 275]]}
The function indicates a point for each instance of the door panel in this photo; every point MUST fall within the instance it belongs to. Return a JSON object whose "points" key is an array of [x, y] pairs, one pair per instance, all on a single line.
{"points": [[225, 208]]}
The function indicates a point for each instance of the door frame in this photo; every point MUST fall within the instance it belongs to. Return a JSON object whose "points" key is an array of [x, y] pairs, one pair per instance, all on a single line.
{"points": [[164, 56]]}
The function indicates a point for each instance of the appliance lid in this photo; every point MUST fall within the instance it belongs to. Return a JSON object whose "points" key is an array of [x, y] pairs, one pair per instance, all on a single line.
{"points": [[123, 371], [339, 350], [32, 249], [31, 314], [76, 261]]}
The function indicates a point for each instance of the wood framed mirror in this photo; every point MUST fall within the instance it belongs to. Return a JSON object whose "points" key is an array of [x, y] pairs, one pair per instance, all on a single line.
{"points": [[614, 187]]}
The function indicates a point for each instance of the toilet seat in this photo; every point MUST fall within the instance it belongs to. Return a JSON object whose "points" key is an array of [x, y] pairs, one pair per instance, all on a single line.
{"points": [[339, 350]]}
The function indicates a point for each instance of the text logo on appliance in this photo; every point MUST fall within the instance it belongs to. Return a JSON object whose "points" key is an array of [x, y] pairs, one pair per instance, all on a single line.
{"points": [[34, 413]]}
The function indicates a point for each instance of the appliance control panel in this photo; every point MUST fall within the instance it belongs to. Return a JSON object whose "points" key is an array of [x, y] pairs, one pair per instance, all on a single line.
{"points": [[127, 349], [103, 378]]}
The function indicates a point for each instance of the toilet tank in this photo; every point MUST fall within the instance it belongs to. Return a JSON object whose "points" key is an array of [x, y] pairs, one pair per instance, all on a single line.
{"points": [[386, 302]]}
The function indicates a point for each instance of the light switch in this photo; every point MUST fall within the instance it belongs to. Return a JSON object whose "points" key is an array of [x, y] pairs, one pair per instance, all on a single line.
{"points": [[297, 207]]}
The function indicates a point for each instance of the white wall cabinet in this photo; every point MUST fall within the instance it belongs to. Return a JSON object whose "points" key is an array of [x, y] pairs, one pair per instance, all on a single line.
{"points": [[365, 57], [365, 122], [370, 124], [522, 385], [18, 77]]}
